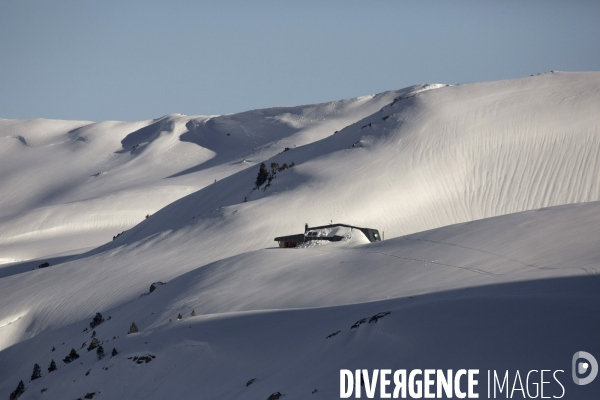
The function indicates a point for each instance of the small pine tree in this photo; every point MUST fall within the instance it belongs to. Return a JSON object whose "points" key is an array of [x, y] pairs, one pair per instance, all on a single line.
{"points": [[193, 313], [133, 328], [93, 333], [100, 353], [18, 391], [114, 352], [262, 176], [93, 345], [179, 316], [97, 320], [37, 372], [71, 357], [53, 348], [52, 366]]}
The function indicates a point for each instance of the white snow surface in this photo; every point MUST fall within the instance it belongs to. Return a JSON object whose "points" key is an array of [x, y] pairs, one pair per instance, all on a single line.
{"points": [[68, 185], [487, 194]]}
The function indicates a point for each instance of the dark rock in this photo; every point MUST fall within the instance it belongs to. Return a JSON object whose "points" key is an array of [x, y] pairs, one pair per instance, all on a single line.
{"points": [[377, 316], [44, 265], [358, 323], [142, 359], [250, 382], [275, 396], [89, 395], [333, 334], [155, 285]]}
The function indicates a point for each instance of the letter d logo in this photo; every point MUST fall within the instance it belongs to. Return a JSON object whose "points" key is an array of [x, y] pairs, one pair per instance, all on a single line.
{"points": [[582, 367]]}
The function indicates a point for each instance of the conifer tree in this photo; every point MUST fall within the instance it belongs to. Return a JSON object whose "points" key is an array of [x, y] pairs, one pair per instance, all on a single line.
{"points": [[52, 366], [18, 391], [262, 176], [37, 372], [93, 345], [193, 313], [100, 353], [97, 320], [179, 316], [133, 328], [71, 357], [114, 352]]}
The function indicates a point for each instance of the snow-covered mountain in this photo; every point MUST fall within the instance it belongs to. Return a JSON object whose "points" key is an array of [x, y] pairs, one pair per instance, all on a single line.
{"points": [[487, 195], [68, 185]]}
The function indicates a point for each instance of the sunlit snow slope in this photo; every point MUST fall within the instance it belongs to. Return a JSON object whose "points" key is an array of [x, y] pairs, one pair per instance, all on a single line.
{"points": [[443, 156], [66, 185]]}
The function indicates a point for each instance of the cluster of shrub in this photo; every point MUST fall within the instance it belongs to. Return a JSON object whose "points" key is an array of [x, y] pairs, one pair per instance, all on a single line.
{"points": [[264, 175]]}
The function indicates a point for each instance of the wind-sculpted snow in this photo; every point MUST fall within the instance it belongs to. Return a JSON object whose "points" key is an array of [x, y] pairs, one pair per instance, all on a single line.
{"points": [[486, 195], [444, 156], [68, 185]]}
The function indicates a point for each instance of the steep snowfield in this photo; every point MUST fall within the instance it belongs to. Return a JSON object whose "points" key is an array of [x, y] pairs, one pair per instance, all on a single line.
{"points": [[484, 284]]}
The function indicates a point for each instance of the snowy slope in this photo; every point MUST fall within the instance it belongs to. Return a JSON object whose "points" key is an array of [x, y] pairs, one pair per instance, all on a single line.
{"points": [[464, 280], [437, 160], [474, 155], [67, 185]]}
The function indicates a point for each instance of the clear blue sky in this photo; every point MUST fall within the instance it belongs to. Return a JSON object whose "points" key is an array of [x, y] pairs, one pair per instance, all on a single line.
{"points": [[132, 60]]}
